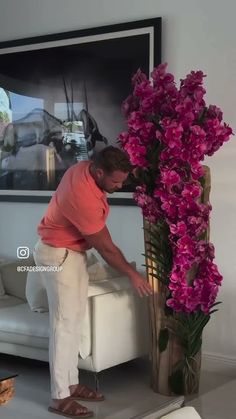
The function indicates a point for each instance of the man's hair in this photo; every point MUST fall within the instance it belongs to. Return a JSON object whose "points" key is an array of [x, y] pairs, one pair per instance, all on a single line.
{"points": [[112, 158]]}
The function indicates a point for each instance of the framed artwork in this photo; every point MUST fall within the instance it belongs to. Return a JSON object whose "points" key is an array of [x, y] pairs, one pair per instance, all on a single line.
{"points": [[60, 102]]}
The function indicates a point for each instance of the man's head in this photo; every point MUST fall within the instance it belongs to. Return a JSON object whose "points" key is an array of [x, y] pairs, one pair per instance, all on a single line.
{"points": [[110, 168]]}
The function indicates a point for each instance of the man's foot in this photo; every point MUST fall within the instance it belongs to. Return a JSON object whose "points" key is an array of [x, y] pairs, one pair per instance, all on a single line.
{"points": [[79, 392], [69, 408]]}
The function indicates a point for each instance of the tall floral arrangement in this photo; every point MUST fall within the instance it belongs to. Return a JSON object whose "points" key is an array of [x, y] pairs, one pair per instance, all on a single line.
{"points": [[170, 131]]}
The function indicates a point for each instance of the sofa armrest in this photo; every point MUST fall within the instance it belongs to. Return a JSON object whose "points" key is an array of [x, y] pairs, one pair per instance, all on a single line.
{"points": [[119, 328], [113, 284], [107, 286]]}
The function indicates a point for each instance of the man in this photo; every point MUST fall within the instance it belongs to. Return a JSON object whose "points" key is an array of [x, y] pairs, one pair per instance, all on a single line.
{"points": [[75, 221]]}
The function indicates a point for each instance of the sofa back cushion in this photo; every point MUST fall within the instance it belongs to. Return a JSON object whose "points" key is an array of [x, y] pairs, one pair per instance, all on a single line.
{"points": [[36, 294], [14, 282], [2, 290]]}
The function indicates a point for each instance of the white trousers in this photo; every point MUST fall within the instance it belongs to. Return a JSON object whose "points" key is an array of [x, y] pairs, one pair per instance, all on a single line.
{"points": [[67, 292]]}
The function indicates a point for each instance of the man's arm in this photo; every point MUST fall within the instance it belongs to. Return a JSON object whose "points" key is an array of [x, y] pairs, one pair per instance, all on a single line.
{"points": [[103, 243]]}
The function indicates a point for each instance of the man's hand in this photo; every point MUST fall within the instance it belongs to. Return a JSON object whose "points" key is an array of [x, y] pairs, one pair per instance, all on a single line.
{"points": [[140, 284], [103, 243]]}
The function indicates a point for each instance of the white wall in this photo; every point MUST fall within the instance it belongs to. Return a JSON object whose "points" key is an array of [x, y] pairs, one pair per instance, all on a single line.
{"points": [[197, 34]]}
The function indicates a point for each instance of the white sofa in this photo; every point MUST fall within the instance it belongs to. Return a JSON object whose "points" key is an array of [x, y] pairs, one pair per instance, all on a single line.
{"points": [[183, 413], [115, 328]]}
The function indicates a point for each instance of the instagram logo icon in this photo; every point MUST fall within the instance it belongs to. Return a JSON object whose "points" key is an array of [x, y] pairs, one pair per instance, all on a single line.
{"points": [[22, 252]]}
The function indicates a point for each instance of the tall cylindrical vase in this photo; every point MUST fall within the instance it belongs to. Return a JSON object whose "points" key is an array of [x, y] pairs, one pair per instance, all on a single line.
{"points": [[165, 347]]}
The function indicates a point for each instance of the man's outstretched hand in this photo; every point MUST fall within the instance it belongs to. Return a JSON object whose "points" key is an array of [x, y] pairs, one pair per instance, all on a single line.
{"points": [[140, 284], [104, 245]]}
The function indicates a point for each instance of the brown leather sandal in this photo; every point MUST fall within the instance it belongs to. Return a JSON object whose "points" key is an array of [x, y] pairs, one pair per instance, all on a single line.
{"points": [[87, 394], [69, 407]]}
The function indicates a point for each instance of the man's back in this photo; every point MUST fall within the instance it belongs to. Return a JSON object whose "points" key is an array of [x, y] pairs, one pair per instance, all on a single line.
{"points": [[77, 207]]}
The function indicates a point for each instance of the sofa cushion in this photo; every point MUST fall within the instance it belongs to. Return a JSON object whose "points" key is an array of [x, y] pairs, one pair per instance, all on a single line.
{"points": [[18, 324], [8, 300], [15, 282], [35, 292], [2, 290]]}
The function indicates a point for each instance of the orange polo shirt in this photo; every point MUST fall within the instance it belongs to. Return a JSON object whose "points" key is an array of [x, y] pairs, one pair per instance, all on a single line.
{"points": [[78, 207]]}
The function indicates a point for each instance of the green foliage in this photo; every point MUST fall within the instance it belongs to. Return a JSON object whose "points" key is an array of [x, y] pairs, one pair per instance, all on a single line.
{"points": [[202, 116], [188, 327], [149, 175], [8, 148], [176, 382], [163, 339], [158, 251], [4, 117]]}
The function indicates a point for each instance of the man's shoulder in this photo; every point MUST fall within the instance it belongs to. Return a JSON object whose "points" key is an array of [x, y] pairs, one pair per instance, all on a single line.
{"points": [[79, 166], [76, 170], [77, 178]]}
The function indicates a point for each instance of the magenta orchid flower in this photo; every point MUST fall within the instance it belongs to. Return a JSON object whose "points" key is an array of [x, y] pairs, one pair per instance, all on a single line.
{"points": [[170, 131]]}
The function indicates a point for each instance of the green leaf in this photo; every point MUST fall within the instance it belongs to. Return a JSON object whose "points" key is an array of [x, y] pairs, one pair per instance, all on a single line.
{"points": [[203, 236], [168, 311], [155, 245], [157, 261], [155, 256], [182, 337], [159, 276], [213, 311], [176, 382], [157, 269], [202, 116], [196, 348], [163, 339], [199, 325], [179, 365], [216, 304]]}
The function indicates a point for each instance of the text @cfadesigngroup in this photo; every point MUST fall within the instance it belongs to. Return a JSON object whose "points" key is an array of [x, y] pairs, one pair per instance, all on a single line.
{"points": [[39, 268]]}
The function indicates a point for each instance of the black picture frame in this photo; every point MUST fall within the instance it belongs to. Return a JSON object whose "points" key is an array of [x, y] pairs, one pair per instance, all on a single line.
{"points": [[124, 41]]}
